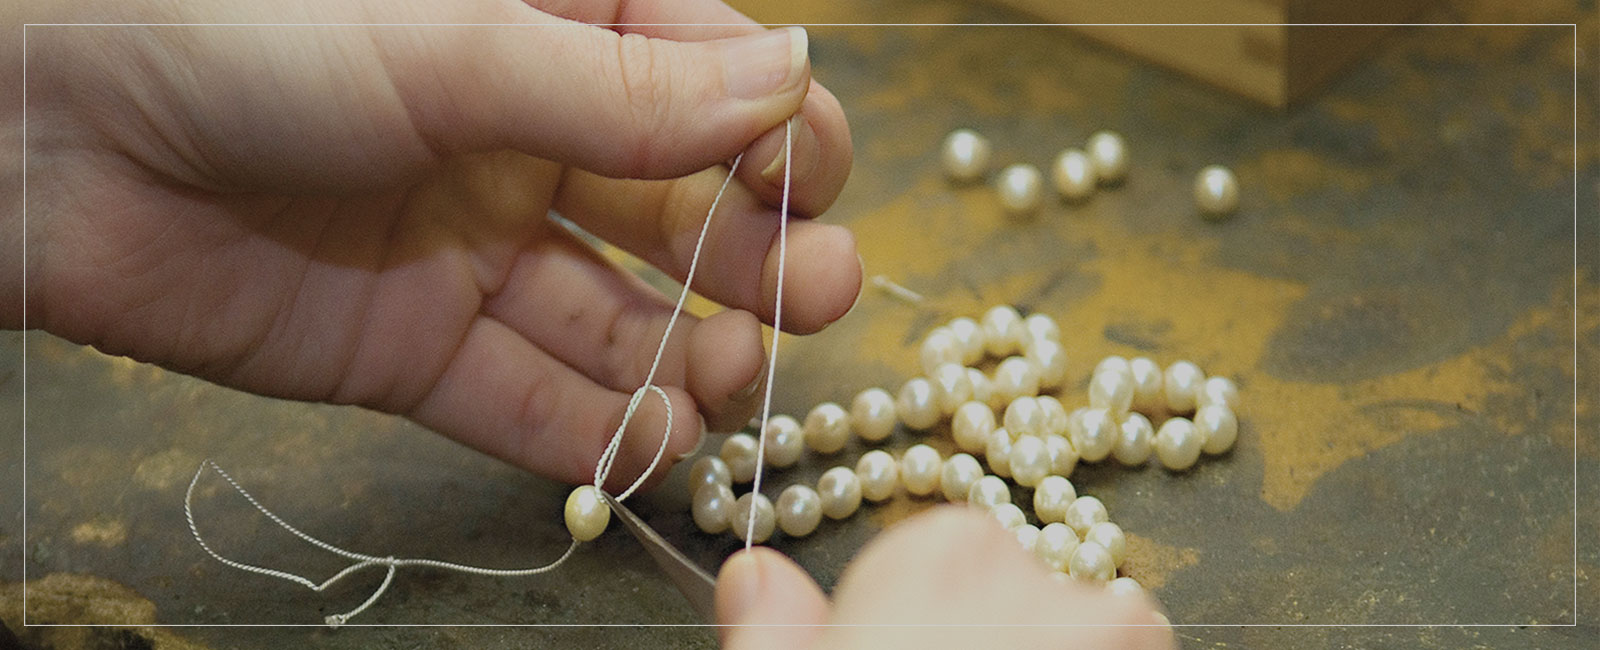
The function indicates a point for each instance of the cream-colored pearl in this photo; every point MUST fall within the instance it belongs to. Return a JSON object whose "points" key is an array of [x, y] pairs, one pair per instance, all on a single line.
{"points": [[1178, 444], [982, 390], [799, 510], [1030, 463], [739, 452], [1009, 515], [1021, 188], [1015, 377], [938, 348], [1109, 155], [1055, 545], [1083, 512], [1003, 330], [989, 492], [971, 426], [958, 475], [1049, 361], [998, 452], [1112, 363], [1125, 587], [840, 490], [708, 471], [1073, 175], [1051, 498], [969, 338], [965, 155], [1092, 563], [1112, 391], [872, 414], [586, 513], [1110, 537], [1147, 384], [785, 441], [1181, 385], [1095, 435], [879, 475], [1040, 327], [1135, 435], [916, 405], [1217, 427], [766, 518], [1219, 391], [827, 428], [1216, 191], [1024, 417], [919, 470], [1063, 456], [1055, 415], [1027, 535], [711, 508], [950, 387]]}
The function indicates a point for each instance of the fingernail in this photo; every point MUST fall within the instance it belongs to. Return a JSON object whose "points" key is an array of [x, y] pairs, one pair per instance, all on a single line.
{"points": [[803, 156], [738, 586], [759, 65], [698, 442], [743, 394], [861, 263]]}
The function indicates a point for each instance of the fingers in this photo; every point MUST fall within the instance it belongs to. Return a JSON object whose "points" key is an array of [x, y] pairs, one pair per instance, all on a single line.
{"points": [[821, 159], [767, 602]]}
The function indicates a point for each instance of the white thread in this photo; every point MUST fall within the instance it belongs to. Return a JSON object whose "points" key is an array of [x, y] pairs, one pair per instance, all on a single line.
{"points": [[777, 331]]}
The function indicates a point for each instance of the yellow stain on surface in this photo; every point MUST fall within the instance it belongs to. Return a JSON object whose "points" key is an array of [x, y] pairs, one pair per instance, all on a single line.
{"points": [[1151, 562], [100, 532]]}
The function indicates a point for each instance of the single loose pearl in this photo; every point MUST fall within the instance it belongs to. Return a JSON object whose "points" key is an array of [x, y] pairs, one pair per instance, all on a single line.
{"points": [[1051, 498], [919, 470], [708, 471], [1178, 444], [989, 492], [1095, 435], [1216, 191], [1147, 384], [711, 507], [1003, 330], [1055, 545], [1125, 587], [969, 337], [1219, 391], [840, 491], [879, 475], [982, 390], [965, 155], [950, 387], [1110, 537], [1030, 462], [872, 414], [739, 452], [1181, 386], [785, 441], [827, 428], [1135, 435], [1073, 175], [916, 405], [766, 517], [1092, 563], [1024, 417], [958, 475], [586, 514], [998, 452], [1083, 512], [971, 426], [1112, 363], [1063, 456], [1021, 188], [1055, 415], [1027, 535], [1009, 515], [1109, 155], [1112, 391], [939, 348], [799, 510], [1217, 427], [1049, 361], [1014, 378], [1039, 327]]}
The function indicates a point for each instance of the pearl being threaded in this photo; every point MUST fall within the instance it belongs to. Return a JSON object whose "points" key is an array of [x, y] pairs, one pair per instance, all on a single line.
{"points": [[586, 513]]}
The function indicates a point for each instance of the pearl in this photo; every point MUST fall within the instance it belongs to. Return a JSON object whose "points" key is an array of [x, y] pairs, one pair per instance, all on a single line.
{"points": [[1083, 512], [950, 387], [1063, 456], [1009, 515], [1135, 435], [958, 475], [1014, 378], [919, 470], [1109, 155], [1095, 435], [1125, 587], [1055, 545], [1112, 363], [1049, 362], [1178, 444], [586, 513], [1027, 535], [1055, 415], [1024, 417], [879, 475], [827, 428], [1112, 391], [766, 517], [971, 426], [965, 155], [982, 390], [711, 508], [969, 338], [840, 491], [707, 471], [1217, 427], [1073, 175], [1021, 188], [998, 452], [1216, 192], [1030, 463], [1039, 327], [739, 452], [1051, 498], [1219, 391], [939, 348], [1110, 537], [872, 414], [799, 510], [1147, 384], [1003, 330], [1181, 386], [988, 492], [916, 405], [785, 441], [1091, 563]]}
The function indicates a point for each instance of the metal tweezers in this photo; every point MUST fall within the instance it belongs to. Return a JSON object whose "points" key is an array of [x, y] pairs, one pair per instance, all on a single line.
{"points": [[697, 586]]}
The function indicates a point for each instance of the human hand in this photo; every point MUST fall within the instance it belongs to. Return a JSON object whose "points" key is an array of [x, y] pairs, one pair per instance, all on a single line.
{"points": [[358, 214], [949, 578]]}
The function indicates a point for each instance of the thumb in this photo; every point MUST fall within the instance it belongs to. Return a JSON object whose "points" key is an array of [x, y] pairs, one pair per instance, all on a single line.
{"points": [[766, 601]]}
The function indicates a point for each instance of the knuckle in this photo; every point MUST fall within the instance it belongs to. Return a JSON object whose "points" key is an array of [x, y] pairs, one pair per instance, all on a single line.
{"points": [[644, 75]]}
